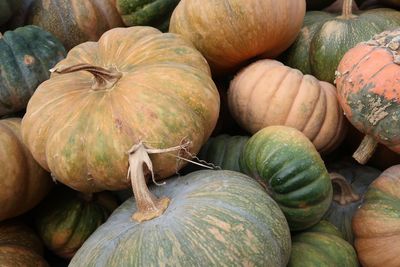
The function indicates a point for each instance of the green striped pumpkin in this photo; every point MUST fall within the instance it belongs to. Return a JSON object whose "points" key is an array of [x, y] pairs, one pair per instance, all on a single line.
{"points": [[214, 218], [26, 55], [286, 161]]}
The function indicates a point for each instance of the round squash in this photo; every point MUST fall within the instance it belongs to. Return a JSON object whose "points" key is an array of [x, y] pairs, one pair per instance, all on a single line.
{"points": [[222, 218], [26, 55], [66, 218], [230, 32], [376, 224], [292, 171], [268, 93], [318, 4], [19, 246], [326, 37], [75, 21], [7, 9], [322, 245], [23, 182], [135, 86], [369, 92], [155, 13]]}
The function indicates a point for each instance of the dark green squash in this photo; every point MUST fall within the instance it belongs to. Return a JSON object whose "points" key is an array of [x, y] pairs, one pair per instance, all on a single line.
{"points": [[211, 218], [155, 13], [26, 55], [318, 4], [7, 9], [326, 37], [286, 161], [322, 245], [66, 218]]}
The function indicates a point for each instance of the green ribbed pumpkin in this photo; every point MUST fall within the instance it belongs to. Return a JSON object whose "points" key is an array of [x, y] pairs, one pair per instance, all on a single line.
{"points": [[26, 55], [155, 13], [214, 218], [66, 218], [326, 37], [322, 245], [7, 9], [286, 161]]}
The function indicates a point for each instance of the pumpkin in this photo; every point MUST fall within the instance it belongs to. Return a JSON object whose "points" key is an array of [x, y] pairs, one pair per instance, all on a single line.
{"points": [[326, 37], [269, 93], [350, 181], [213, 218], [135, 86], [322, 245], [75, 21], [66, 218], [369, 91], [7, 9], [26, 54], [230, 32], [23, 182], [318, 4], [154, 13], [376, 223], [292, 171], [19, 246]]}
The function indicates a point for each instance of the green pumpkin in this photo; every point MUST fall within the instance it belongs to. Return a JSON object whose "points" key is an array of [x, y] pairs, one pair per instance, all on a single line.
{"points": [[7, 9], [318, 4], [66, 218], [350, 182], [214, 218], [286, 161], [155, 13], [322, 245], [326, 37], [26, 55]]}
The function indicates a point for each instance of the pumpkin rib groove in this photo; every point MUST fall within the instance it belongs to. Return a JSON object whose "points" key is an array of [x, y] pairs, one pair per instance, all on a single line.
{"points": [[321, 97], [381, 69], [292, 103], [365, 57]]}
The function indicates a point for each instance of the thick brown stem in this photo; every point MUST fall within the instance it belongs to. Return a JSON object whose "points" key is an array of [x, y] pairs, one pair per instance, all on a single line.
{"points": [[366, 149], [346, 195], [103, 78], [347, 9]]}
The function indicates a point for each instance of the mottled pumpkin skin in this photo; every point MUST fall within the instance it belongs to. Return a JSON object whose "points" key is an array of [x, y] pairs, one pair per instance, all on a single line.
{"points": [[292, 171], [26, 55], [322, 245], [7, 9], [165, 95], [369, 89], [19, 246], [75, 21], [155, 13], [215, 218], [23, 182], [269, 93], [326, 37], [230, 32], [376, 224], [318, 4], [65, 219]]}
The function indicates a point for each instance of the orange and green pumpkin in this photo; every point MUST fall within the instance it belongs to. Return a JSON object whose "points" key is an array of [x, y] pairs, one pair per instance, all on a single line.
{"points": [[292, 171]]}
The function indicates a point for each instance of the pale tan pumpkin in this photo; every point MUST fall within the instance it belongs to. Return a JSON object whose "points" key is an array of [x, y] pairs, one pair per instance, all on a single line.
{"points": [[269, 93], [23, 182]]}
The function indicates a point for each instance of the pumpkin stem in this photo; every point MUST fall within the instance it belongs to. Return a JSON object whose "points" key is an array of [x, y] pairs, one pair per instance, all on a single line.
{"points": [[346, 194], [347, 9], [148, 205], [366, 149], [103, 78]]}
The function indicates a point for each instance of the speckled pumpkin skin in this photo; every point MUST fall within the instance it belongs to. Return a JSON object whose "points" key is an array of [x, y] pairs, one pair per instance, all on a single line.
{"points": [[165, 95], [215, 218]]}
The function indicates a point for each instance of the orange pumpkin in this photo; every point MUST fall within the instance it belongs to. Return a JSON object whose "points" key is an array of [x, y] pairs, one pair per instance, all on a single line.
{"points": [[269, 93], [230, 32], [369, 92]]}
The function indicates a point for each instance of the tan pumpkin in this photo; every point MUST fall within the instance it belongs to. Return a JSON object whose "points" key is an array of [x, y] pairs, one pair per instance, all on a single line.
{"points": [[23, 182], [230, 32], [269, 93]]}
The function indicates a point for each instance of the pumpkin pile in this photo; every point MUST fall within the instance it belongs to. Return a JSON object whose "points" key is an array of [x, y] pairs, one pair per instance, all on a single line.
{"points": [[199, 133]]}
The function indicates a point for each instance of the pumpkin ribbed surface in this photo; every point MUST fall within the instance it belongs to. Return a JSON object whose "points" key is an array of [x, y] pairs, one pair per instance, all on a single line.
{"points": [[215, 218]]}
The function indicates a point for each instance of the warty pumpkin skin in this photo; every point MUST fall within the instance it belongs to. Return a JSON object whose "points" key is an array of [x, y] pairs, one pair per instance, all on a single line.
{"points": [[75, 21], [23, 182], [26, 55], [269, 93], [292, 171], [230, 32], [150, 87], [214, 218], [376, 224]]}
